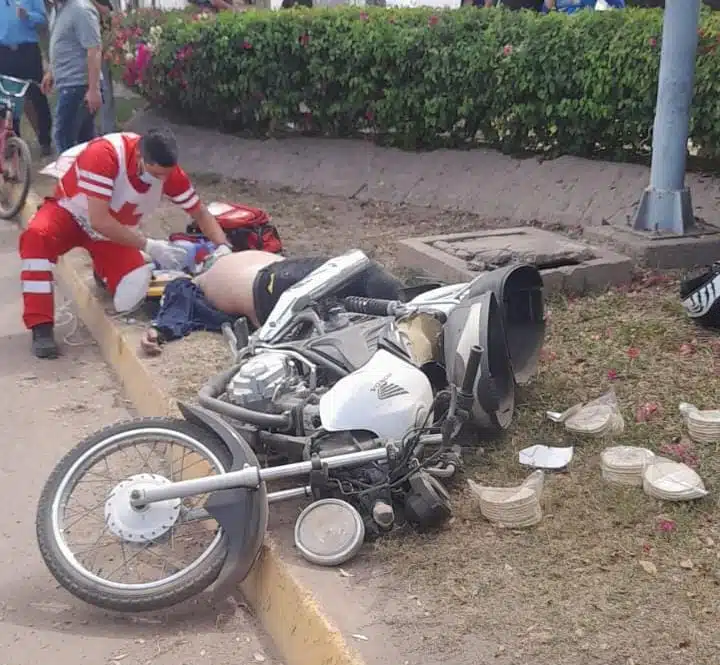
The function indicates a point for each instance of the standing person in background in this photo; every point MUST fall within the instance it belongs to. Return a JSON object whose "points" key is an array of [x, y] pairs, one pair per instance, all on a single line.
{"points": [[20, 57], [75, 70], [108, 121]]}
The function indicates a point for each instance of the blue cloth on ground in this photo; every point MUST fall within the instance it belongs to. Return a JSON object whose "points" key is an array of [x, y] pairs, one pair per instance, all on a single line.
{"points": [[185, 309]]}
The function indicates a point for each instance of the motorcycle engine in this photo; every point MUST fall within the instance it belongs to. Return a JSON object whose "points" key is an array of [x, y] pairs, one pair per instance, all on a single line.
{"points": [[262, 379]]}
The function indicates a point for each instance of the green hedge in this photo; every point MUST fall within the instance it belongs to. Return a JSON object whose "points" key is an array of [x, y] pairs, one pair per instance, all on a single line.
{"points": [[583, 84]]}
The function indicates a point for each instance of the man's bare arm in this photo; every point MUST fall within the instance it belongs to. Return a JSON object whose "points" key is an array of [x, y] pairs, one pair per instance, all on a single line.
{"points": [[106, 225], [94, 65], [209, 226]]}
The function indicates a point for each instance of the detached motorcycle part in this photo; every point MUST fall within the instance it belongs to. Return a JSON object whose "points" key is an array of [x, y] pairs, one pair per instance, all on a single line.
{"points": [[518, 290], [427, 504], [108, 594], [329, 532], [477, 322]]}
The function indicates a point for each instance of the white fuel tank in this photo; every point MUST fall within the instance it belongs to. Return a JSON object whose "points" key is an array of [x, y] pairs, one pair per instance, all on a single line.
{"points": [[386, 396]]}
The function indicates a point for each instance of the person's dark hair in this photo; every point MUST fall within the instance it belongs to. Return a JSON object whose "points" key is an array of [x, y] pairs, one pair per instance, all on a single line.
{"points": [[159, 146]]}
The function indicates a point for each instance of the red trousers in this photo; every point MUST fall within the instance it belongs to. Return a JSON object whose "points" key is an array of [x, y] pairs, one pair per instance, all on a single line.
{"points": [[52, 232]]}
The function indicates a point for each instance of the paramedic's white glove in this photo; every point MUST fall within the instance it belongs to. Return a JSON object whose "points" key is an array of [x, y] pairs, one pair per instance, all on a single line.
{"points": [[220, 251], [165, 254]]}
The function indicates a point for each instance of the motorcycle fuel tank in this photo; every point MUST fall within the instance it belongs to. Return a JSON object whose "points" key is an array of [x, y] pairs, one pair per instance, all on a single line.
{"points": [[387, 396]]}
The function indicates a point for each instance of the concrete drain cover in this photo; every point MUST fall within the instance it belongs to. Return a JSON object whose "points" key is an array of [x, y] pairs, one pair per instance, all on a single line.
{"points": [[565, 264]]}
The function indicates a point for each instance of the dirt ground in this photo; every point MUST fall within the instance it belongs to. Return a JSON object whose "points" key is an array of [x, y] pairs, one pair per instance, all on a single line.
{"points": [[610, 576]]}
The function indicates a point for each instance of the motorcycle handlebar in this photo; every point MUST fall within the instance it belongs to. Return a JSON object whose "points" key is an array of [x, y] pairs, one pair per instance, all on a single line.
{"points": [[476, 354], [371, 306]]}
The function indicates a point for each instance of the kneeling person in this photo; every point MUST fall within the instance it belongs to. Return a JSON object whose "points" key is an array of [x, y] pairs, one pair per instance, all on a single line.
{"points": [[105, 188]]}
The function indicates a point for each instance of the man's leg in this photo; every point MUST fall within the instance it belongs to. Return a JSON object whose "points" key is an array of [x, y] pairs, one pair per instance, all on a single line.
{"points": [[50, 233], [123, 269], [70, 115], [38, 102], [108, 121]]}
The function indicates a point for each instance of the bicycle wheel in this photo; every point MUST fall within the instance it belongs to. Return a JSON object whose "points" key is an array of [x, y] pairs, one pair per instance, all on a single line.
{"points": [[106, 552], [15, 177]]}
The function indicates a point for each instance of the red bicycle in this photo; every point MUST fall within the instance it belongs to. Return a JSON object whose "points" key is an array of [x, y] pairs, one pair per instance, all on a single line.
{"points": [[15, 157]]}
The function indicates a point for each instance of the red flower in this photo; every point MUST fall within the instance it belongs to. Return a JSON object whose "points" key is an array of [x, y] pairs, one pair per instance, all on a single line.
{"points": [[304, 39], [369, 116], [633, 353], [653, 42], [247, 46], [507, 49], [612, 375], [433, 20], [364, 16]]}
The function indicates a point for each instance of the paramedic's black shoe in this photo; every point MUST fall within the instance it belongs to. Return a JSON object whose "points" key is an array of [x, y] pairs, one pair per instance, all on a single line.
{"points": [[43, 341]]}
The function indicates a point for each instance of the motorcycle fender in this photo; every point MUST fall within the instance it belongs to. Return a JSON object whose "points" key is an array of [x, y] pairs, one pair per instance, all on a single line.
{"points": [[241, 513]]}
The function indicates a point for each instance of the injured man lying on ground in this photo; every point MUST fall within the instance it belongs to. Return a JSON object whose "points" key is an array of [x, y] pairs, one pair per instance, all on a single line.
{"points": [[247, 284]]}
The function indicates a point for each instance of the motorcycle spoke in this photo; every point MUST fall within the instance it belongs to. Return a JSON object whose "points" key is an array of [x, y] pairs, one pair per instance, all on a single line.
{"points": [[86, 513], [136, 560]]}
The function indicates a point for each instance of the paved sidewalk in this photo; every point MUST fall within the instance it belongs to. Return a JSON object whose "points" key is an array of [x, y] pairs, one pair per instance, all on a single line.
{"points": [[568, 190]]}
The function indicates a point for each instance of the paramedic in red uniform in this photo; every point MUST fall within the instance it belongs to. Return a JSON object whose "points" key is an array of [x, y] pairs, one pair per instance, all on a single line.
{"points": [[105, 188]]}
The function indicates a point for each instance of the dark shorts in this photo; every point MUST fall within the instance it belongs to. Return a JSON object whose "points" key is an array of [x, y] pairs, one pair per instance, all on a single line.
{"points": [[273, 280]]}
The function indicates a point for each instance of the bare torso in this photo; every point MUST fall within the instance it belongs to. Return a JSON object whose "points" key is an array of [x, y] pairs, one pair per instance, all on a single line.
{"points": [[228, 284]]}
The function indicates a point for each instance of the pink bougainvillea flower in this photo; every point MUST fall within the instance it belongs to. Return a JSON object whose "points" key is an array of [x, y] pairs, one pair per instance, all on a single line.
{"points": [[433, 20], [547, 355], [247, 46], [683, 451], [646, 411], [369, 116], [633, 353], [184, 53], [647, 548], [612, 375], [653, 42], [304, 39], [665, 525], [364, 16], [507, 49], [687, 349], [142, 57]]}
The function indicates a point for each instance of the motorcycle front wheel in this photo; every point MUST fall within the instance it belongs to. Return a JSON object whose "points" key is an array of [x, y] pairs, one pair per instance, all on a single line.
{"points": [[101, 549]]}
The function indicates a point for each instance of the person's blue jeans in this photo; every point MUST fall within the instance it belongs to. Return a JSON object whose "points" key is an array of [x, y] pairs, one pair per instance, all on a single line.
{"points": [[73, 121]]}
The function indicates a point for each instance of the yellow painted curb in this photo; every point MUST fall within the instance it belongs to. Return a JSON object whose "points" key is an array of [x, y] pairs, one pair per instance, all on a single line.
{"points": [[287, 610]]}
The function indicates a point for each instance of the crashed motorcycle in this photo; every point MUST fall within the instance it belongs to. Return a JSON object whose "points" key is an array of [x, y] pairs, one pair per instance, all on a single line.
{"points": [[362, 405]]}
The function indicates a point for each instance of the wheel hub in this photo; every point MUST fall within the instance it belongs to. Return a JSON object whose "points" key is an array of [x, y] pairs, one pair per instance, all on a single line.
{"points": [[139, 525]]}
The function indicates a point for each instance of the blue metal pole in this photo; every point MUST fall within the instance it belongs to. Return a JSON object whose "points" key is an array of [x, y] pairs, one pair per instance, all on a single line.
{"points": [[666, 205]]}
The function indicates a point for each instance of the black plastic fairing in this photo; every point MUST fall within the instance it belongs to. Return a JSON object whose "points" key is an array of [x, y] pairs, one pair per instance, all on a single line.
{"points": [[519, 293], [477, 321], [241, 513]]}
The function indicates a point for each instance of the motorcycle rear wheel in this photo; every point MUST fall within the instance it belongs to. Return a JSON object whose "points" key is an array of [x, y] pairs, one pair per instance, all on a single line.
{"points": [[65, 565]]}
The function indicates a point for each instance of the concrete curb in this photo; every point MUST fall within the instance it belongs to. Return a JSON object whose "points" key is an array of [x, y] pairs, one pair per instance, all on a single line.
{"points": [[302, 634]]}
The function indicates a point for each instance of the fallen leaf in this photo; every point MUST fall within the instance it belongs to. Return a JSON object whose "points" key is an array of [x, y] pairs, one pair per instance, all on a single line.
{"points": [[259, 657], [686, 563], [648, 566], [687, 350], [360, 637], [344, 573]]}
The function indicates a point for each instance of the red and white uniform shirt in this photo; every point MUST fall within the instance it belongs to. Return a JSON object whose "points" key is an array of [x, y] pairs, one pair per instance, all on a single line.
{"points": [[107, 168]]}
